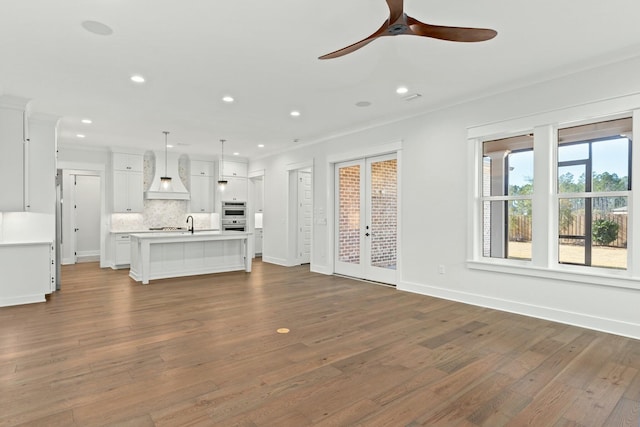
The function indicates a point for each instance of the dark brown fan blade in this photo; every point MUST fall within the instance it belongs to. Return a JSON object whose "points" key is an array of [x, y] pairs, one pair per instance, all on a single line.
{"points": [[454, 34], [396, 10], [351, 48]]}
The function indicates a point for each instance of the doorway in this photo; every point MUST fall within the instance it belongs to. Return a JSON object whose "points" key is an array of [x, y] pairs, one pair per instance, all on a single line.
{"points": [[304, 216], [81, 216], [366, 198]]}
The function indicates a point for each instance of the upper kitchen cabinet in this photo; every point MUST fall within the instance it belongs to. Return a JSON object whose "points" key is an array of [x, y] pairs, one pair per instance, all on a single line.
{"points": [[127, 183], [128, 162], [236, 169], [202, 186], [237, 183], [235, 190], [202, 168], [13, 137]]}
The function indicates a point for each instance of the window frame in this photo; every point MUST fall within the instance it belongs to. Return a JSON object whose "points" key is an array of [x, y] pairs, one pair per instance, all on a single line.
{"points": [[544, 262]]}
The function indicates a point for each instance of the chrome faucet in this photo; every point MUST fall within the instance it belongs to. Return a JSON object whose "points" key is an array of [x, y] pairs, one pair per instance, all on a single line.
{"points": [[190, 228]]}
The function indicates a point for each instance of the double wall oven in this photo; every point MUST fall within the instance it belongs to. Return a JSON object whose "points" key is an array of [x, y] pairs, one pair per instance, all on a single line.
{"points": [[234, 216]]}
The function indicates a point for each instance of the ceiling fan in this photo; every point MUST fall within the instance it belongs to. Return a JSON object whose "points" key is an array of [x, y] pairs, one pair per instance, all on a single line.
{"points": [[400, 23]]}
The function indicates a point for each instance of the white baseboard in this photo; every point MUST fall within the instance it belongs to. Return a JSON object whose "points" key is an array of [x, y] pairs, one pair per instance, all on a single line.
{"points": [[612, 326], [322, 269], [278, 261], [22, 299]]}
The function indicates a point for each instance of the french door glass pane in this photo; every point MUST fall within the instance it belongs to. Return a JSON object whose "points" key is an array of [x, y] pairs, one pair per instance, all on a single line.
{"points": [[349, 215], [384, 208]]}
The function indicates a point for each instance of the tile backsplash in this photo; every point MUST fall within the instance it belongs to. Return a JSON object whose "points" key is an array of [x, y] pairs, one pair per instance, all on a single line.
{"points": [[162, 213]]}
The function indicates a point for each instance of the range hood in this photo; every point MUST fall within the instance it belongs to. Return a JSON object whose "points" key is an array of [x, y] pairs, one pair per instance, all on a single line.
{"points": [[176, 190]]}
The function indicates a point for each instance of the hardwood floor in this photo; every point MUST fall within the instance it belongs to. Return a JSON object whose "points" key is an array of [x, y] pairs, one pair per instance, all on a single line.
{"points": [[204, 351]]}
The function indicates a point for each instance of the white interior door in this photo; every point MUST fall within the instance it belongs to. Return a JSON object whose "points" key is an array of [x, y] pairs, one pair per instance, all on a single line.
{"points": [[87, 216], [305, 216], [367, 218]]}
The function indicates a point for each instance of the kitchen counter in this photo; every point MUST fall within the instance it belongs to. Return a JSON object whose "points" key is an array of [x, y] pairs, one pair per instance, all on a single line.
{"points": [[164, 254]]}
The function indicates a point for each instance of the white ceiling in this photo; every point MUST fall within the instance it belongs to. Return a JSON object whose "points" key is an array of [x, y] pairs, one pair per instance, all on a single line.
{"points": [[264, 54]]}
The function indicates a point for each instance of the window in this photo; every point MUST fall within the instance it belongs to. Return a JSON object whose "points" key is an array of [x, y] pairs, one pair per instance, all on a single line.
{"points": [[507, 188], [594, 171], [556, 200]]}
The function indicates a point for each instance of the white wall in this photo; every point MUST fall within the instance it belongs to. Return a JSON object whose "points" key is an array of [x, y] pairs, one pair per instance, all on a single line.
{"points": [[434, 201]]}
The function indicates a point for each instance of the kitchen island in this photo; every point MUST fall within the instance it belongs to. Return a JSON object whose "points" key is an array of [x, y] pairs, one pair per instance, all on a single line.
{"points": [[169, 254]]}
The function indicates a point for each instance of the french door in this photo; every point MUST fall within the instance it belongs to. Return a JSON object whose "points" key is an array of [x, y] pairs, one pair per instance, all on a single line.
{"points": [[366, 209]]}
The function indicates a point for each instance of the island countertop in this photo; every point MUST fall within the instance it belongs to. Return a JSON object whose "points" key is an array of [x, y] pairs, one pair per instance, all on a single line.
{"points": [[196, 235], [162, 254]]}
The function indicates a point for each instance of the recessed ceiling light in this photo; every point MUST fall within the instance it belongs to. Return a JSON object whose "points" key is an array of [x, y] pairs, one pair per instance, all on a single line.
{"points": [[363, 104], [86, 121], [169, 146], [137, 78], [236, 154], [227, 98], [402, 90], [295, 113], [80, 135], [260, 145], [96, 27]]}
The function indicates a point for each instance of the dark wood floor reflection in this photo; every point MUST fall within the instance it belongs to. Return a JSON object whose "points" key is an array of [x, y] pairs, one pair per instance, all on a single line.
{"points": [[205, 351]]}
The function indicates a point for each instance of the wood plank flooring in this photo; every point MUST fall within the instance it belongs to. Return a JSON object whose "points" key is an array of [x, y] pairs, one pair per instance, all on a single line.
{"points": [[204, 351]]}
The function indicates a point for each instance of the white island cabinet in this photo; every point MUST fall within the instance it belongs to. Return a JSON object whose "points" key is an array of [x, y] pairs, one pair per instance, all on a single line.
{"points": [[169, 254]]}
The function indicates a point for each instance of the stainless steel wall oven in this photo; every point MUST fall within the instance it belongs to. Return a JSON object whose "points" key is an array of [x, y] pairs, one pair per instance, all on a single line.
{"points": [[234, 210]]}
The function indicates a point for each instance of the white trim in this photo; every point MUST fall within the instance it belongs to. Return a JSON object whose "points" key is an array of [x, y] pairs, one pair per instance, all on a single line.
{"points": [[373, 151], [256, 174], [23, 299], [320, 269], [626, 329], [592, 111], [278, 261], [299, 165]]}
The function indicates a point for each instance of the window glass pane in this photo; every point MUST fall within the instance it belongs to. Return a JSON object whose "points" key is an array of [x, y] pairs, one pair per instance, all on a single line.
{"points": [[571, 251], [610, 165], [593, 232], [520, 173], [571, 179], [494, 242], [571, 226], [507, 165], [609, 232], [519, 242], [573, 152]]}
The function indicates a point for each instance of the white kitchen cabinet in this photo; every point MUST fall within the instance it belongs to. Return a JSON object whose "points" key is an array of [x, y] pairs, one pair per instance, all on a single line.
{"points": [[202, 189], [12, 150], [121, 249], [235, 190], [236, 169], [28, 271], [202, 168], [127, 183], [128, 162]]}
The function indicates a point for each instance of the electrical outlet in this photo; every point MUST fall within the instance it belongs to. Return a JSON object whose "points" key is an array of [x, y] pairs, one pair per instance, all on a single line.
{"points": [[441, 269]]}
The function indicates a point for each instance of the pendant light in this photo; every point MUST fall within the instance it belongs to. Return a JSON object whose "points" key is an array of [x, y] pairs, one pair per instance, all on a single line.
{"points": [[222, 182], [165, 181]]}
